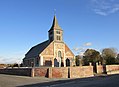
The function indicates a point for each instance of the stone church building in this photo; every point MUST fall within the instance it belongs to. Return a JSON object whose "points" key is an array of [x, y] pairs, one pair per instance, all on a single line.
{"points": [[52, 52]]}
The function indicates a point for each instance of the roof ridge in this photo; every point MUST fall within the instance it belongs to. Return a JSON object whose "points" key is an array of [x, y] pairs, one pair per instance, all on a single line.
{"points": [[41, 43], [37, 49]]}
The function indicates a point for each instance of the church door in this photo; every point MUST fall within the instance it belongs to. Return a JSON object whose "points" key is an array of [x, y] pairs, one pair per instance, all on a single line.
{"points": [[67, 62], [56, 63]]}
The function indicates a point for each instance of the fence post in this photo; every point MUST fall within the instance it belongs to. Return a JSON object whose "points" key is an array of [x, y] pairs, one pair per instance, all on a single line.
{"points": [[50, 72], [90, 64], [32, 72]]}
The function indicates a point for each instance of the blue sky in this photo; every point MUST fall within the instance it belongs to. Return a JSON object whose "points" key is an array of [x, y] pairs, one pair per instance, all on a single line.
{"points": [[86, 24]]}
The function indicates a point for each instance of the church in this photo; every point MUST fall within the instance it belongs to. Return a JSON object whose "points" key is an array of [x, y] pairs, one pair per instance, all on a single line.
{"points": [[52, 52]]}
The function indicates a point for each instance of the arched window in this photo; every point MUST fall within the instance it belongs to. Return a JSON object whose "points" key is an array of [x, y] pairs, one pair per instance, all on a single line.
{"points": [[58, 38], [59, 54], [58, 32]]}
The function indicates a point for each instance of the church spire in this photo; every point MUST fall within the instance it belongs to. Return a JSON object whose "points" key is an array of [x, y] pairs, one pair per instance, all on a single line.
{"points": [[55, 32], [55, 24]]}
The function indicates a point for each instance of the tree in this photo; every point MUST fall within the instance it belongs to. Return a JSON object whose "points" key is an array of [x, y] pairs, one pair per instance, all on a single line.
{"points": [[15, 65], [21, 65], [91, 55], [109, 55], [3, 65], [78, 60], [117, 59]]}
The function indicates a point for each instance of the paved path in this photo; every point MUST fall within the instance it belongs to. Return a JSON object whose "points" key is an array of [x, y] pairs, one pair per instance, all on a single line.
{"points": [[22, 81]]}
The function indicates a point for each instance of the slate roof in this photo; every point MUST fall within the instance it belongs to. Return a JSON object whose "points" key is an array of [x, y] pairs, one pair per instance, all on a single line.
{"points": [[36, 50]]}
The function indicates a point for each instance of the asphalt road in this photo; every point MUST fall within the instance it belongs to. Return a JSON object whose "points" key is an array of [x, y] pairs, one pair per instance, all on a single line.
{"points": [[22, 81]]}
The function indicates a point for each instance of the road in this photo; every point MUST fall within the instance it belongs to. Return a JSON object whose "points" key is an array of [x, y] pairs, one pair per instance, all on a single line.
{"points": [[22, 81]]}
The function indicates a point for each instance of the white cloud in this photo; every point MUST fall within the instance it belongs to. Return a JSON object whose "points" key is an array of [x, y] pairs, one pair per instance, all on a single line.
{"points": [[87, 44], [4, 60], [80, 50], [81, 53], [105, 7], [15, 57], [97, 11], [76, 49]]}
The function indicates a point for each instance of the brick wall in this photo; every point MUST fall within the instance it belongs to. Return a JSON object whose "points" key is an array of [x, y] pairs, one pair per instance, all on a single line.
{"points": [[64, 72], [99, 69], [52, 72], [41, 72], [81, 71], [112, 67], [57, 72], [17, 71]]}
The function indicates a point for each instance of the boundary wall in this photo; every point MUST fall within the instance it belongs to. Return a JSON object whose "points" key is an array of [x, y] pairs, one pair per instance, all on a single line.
{"points": [[109, 69], [51, 72]]}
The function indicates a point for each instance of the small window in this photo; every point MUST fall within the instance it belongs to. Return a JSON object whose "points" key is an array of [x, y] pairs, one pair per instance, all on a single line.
{"points": [[59, 54], [58, 32], [58, 38]]}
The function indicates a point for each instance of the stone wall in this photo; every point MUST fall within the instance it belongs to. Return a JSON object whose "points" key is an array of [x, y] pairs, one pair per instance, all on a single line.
{"points": [[17, 71], [81, 71]]}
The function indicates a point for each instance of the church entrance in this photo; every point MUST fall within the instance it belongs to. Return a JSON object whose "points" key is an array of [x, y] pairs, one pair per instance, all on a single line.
{"points": [[58, 61], [67, 62], [60, 58]]}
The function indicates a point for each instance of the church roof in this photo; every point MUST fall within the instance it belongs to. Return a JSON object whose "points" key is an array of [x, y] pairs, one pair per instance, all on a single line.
{"points": [[55, 24], [36, 50]]}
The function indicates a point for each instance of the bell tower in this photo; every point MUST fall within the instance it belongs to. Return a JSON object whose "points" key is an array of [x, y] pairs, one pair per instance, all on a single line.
{"points": [[55, 32]]}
